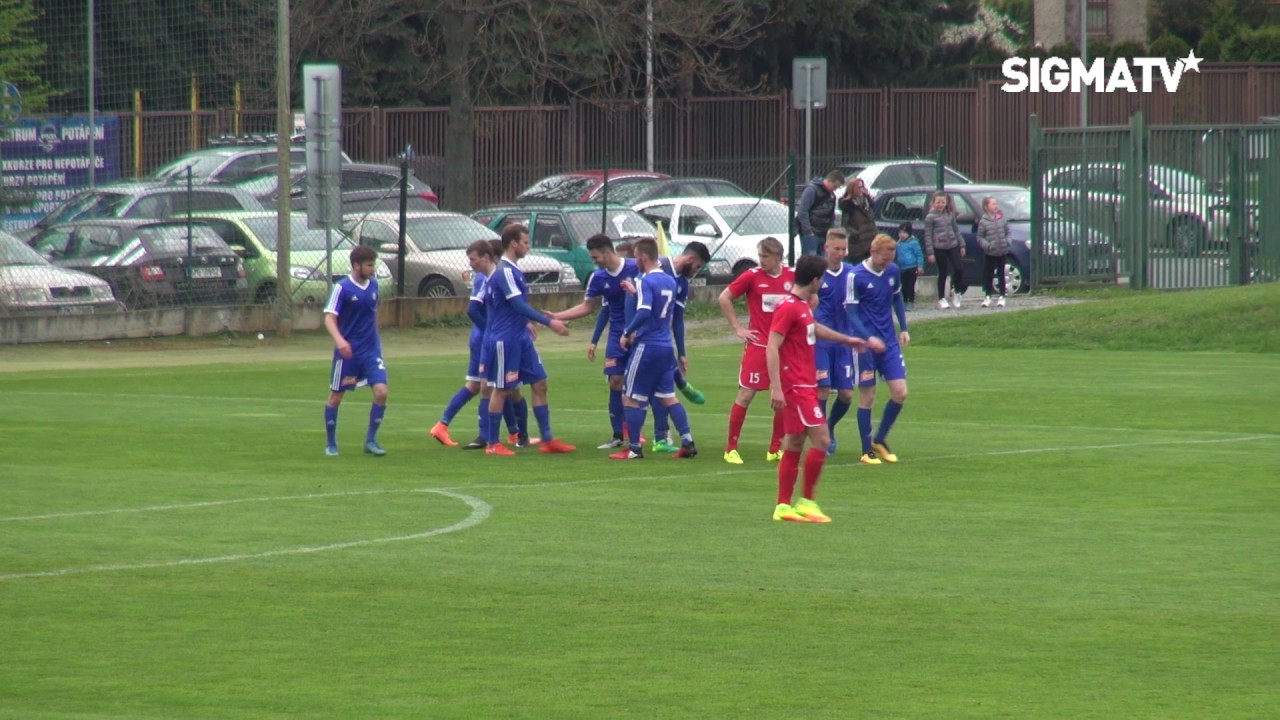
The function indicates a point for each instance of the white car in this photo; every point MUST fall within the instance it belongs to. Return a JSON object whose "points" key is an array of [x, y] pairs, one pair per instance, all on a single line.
{"points": [[29, 284], [731, 227], [892, 174]]}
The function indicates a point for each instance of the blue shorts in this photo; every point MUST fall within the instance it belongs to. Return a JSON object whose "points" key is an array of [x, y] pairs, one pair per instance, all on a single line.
{"points": [[510, 363], [615, 358], [889, 364], [650, 373], [360, 370], [835, 366], [476, 346]]}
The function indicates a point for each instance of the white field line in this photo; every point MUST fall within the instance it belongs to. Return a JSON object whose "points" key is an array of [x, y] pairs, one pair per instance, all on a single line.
{"points": [[480, 511], [259, 402]]}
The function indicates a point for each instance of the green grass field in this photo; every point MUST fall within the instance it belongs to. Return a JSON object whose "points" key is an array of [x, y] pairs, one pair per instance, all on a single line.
{"points": [[1070, 534]]}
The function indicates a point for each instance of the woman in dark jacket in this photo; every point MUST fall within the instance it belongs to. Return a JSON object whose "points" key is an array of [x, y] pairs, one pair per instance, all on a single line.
{"points": [[857, 218]]}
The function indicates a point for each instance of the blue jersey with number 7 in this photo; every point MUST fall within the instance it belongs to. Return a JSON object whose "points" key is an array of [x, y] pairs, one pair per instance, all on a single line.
{"points": [[656, 292]]}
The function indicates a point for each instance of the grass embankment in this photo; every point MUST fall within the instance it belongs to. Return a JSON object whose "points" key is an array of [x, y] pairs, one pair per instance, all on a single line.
{"points": [[1243, 319]]}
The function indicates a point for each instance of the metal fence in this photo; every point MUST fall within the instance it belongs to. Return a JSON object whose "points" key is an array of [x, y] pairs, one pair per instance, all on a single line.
{"points": [[1180, 206], [745, 139]]}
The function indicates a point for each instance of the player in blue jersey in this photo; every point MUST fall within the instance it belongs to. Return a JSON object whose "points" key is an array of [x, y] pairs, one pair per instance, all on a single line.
{"points": [[509, 358], [481, 255], [651, 363], [877, 298], [351, 317], [834, 360], [607, 293], [682, 267]]}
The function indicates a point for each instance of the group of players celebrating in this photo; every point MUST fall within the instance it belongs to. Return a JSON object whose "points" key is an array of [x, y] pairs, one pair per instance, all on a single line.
{"points": [[822, 325]]}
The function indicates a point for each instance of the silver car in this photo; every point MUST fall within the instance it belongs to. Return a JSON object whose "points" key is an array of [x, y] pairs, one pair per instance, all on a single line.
{"points": [[435, 262], [1185, 215], [29, 284]]}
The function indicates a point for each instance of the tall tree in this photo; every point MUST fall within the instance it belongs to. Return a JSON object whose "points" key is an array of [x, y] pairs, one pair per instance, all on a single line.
{"points": [[21, 58]]}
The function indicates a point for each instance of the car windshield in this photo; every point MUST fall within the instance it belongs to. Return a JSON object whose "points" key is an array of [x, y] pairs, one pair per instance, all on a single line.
{"points": [[87, 207], [559, 188], [14, 252], [1015, 204], [172, 240], [446, 232], [300, 236], [618, 224], [201, 166], [629, 193], [765, 218]]}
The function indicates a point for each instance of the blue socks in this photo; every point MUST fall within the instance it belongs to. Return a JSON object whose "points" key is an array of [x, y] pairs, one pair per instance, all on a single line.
{"points": [[460, 398], [864, 429], [520, 411], [838, 410], [635, 425], [680, 417], [891, 410], [512, 416], [375, 421], [331, 424], [617, 415], [660, 424], [543, 415]]}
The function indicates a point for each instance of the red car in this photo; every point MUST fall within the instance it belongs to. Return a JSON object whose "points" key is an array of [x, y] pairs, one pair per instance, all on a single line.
{"points": [[582, 186]]}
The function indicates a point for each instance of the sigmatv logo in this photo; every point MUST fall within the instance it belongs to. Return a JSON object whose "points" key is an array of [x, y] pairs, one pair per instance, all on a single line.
{"points": [[1056, 75]]}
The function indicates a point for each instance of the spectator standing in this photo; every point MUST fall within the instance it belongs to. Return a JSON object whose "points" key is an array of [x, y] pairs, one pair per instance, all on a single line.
{"points": [[858, 219], [910, 262], [816, 211], [944, 246], [993, 236]]}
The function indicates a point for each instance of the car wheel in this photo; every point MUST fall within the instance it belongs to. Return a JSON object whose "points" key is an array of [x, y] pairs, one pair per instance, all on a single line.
{"points": [[266, 295], [1015, 281], [1186, 236], [742, 266], [435, 288]]}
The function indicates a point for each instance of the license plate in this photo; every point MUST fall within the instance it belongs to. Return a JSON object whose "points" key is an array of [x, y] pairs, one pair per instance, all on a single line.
{"points": [[543, 289], [698, 281], [205, 273]]}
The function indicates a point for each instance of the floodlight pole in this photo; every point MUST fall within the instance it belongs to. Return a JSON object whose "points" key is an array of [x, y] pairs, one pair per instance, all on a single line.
{"points": [[1084, 60], [648, 84]]}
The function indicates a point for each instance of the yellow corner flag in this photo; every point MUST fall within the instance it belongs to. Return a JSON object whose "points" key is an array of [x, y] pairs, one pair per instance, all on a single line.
{"points": [[662, 240]]}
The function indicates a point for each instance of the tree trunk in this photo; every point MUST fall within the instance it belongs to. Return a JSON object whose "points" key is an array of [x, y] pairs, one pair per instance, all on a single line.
{"points": [[459, 149]]}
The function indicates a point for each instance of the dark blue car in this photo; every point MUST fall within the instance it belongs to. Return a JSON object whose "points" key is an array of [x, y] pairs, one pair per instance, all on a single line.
{"points": [[1061, 255]]}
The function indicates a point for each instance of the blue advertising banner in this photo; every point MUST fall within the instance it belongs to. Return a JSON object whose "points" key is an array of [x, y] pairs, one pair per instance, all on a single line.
{"points": [[45, 161]]}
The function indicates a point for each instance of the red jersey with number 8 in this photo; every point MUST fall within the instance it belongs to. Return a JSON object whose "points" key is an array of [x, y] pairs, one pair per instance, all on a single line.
{"points": [[793, 320]]}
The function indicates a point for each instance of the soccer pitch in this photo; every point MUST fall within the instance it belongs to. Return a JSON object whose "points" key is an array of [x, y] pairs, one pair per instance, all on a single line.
{"points": [[1069, 534]]}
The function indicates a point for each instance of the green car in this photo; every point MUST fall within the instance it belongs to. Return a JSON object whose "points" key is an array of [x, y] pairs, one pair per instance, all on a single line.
{"points": [[252, 235], [561, 231]]}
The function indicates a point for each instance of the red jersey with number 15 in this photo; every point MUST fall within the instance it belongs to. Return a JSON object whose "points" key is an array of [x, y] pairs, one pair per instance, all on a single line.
{"points": [[763, 292], [793, 320]]}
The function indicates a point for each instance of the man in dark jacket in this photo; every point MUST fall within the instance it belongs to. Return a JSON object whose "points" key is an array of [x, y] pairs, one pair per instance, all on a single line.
{"points": [[816, 211]]}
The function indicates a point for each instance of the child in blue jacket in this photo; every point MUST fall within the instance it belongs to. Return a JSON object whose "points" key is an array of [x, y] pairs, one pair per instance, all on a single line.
{"points": [[910, 262]]}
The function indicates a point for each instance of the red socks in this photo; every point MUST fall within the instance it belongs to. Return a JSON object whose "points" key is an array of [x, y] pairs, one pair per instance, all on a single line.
{"points": [[788, 469], [813, 462], [775, 442], [737, 416]]}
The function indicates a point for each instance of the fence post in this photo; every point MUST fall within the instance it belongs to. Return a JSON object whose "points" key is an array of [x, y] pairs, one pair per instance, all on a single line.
{"points": [[791, 216], [1136, 201], [1035, 140], [137, 133], [1238, 266]]}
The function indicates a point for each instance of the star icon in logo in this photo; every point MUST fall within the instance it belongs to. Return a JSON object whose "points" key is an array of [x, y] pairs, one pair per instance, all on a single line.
{"points": [[1191, 62]]}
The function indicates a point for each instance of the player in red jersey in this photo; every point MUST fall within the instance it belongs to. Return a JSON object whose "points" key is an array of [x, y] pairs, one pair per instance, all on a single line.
{"points": [[764, 287], [793, 389]]}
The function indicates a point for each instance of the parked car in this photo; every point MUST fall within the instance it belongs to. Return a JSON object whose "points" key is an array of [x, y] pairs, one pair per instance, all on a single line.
{"points": [[633, 193], [150, 200], [1185, 214], [1064, 242], [366, 187], [883, 175], [232, 160], [731, 227], [561, 231], [252, 235], [435, 262], [149, 263], [582, 186], [29, 284]]}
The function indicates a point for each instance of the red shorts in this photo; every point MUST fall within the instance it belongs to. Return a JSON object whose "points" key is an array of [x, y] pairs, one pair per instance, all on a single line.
{"points": [[754, 374], [802, 411]]}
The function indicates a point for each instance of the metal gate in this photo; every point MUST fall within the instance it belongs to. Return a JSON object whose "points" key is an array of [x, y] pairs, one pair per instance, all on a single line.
{"points": [[1177, 206]]}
